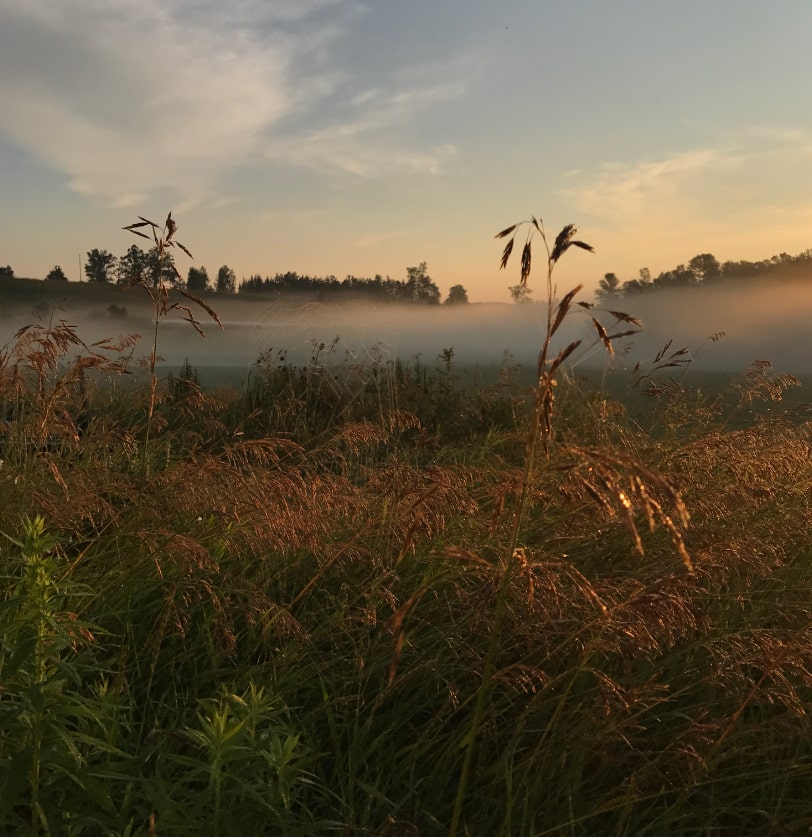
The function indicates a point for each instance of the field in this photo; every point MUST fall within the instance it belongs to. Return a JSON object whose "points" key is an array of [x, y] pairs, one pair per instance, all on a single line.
{"points": [[371, 596], [338, 600]]}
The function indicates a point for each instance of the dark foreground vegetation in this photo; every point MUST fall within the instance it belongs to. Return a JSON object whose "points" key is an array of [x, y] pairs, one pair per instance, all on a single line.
{"points": [[368, 600]]}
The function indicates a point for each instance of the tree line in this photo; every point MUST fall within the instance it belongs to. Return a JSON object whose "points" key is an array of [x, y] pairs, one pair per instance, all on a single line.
{"points": [[417, 287], [138, 266], [705, 270]]}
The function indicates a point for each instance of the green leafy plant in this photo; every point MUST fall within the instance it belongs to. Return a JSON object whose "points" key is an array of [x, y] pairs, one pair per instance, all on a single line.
{"points": [[56, 713]]}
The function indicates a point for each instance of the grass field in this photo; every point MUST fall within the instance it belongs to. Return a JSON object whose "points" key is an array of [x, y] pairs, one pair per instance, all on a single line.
{"points": [[333, 600]]}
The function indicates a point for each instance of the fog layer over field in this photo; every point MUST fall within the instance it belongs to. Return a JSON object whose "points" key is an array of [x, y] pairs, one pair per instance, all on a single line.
{"points": [[759, 322]]}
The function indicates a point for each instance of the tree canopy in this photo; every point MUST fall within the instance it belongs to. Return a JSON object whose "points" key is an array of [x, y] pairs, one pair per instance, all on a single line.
{"points": [[420, 287], [457, 295], [520, 293], [197, 279], [704, 270], [100, 265], [132, 266], [326, 288], [139, 267], [608, 287], [226, 280], [56, 274]]}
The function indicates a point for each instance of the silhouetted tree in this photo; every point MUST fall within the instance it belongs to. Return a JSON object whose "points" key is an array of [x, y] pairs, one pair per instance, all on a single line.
{"points": [[161, 270], [640, 285], [226, 280], [419, 286], [705, 267], [608, 287], [680, 277], [100, 265], [56, 274], [132, 266], [256, 284], [197, 279], [520, 293], [457, 295], [136, 266], [6, 272]]}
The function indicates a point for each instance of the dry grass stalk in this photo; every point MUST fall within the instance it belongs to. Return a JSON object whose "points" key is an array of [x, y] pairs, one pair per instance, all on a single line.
{"points": [[760, 382], [541, 427], [623, 486], [159, 291]]}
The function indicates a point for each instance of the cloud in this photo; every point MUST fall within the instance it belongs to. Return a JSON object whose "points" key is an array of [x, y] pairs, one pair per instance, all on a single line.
{"points": [[375, 240], [258, 12], [130, 99], [764, 171], [777, 132], [363, 139], [126, 99], [331, 151], [623, 192], [292, 217], [743, 201]]}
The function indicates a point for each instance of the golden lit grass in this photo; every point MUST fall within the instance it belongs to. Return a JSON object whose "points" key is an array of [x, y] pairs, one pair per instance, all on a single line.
{"points": [[618, 677]]}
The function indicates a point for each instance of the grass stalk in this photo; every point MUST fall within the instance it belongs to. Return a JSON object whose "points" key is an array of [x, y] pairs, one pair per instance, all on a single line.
{"points": [[540, 427]]}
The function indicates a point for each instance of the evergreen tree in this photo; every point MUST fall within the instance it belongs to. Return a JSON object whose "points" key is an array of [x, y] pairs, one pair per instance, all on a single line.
{"points": [[226, 280]]}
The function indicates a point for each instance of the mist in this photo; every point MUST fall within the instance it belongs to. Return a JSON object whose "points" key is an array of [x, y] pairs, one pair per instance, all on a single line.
{"points": [[759, 323]]}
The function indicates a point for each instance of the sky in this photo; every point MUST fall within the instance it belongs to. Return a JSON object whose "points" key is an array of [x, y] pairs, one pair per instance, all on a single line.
{"points": [[364, 136]]}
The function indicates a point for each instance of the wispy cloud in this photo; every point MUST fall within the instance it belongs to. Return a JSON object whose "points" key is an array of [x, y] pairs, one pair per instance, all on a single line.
{"points": [[763, 170], [126, 99], [779, 133], [292, 217], [363, 138], [626, 191], [332, 151], [702, 200], [375, 240]]}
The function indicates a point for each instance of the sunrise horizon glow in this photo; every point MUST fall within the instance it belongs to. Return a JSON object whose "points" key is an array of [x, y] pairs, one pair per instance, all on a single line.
{"points": [[336, 137]]}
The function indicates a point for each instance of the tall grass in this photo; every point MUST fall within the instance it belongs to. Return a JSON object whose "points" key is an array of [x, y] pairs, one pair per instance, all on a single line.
{"points": [[354, 599]]}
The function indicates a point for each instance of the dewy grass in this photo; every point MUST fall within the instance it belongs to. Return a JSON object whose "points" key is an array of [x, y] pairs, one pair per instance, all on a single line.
{"points": [[319, 606], [607, 491]]}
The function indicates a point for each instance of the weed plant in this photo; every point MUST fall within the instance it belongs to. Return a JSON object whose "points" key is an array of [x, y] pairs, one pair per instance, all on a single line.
{"points": [[369, 599]]}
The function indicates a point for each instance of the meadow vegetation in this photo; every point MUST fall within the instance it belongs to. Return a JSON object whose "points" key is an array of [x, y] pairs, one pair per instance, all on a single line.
{"points": [[367, 599]]}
